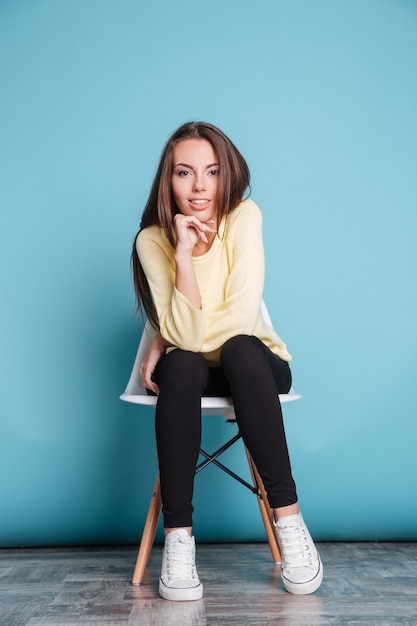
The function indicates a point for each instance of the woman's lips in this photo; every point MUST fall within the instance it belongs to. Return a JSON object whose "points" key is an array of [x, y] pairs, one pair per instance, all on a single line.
{"points": [[199, 203]]}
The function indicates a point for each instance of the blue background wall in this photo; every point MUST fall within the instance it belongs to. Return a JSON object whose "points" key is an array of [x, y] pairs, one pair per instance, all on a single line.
{"points": [[321, 98]]}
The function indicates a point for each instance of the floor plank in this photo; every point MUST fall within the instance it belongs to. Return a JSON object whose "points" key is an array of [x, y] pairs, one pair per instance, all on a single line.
{"points": [[369, 584]]}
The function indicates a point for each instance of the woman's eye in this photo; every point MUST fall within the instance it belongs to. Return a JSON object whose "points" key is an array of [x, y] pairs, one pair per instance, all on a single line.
{"points": [[183, 173], [214, 172]]}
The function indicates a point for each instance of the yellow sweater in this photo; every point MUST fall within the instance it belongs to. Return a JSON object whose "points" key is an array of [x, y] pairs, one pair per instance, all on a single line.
{"points": [[230, 277]]}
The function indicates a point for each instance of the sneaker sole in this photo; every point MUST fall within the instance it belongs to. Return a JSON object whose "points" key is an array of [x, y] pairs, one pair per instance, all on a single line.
{"points": [[180, 595]]}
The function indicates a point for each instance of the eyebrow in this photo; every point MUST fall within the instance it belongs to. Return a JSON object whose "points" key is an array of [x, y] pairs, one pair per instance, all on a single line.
{"points": [[191, 167]]}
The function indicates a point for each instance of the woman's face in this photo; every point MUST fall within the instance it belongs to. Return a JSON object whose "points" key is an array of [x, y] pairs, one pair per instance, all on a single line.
{"points": [[195, 179]]}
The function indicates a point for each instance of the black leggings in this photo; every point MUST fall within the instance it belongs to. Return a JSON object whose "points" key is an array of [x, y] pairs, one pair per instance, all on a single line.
{"points": [[253, 376]]}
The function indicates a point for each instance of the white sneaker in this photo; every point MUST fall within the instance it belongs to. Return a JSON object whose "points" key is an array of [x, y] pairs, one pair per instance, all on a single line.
{"points": [[301, 567], [179, 579]]}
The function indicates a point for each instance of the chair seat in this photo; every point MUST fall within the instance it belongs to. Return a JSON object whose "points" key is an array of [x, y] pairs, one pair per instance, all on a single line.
{"points": [[210, 405], [207, 402]]}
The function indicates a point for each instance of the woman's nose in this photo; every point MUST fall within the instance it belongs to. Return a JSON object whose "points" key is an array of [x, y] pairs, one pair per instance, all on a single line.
{"points": [[198, 183]]}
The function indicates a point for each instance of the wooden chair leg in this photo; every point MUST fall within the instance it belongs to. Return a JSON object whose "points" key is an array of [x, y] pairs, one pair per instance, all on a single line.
{"points": [[148, 534], [266, 511]]}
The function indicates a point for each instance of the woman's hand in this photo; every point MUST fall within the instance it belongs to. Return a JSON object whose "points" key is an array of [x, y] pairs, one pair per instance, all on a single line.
{"points": [[189, 230], [147, 368]]}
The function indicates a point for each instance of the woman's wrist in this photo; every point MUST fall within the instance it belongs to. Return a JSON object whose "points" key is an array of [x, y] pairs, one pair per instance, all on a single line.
{"points": [[183, 254], [162, 343]]}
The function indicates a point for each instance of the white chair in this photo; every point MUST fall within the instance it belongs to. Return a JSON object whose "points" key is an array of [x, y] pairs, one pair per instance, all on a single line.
{"points": [[136, 394]]}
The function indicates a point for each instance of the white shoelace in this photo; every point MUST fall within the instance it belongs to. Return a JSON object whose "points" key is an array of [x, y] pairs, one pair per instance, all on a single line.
{"points": [[179, 560], [295, 547]]}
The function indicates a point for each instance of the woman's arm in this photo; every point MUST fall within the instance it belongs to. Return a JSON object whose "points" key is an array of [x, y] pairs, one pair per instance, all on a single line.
{"points": [[147, 368], [172, 280], [188, 230]]}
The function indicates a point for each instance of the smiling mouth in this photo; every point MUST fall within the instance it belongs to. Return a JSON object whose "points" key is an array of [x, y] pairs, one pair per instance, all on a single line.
{"points": [[200, 202]]}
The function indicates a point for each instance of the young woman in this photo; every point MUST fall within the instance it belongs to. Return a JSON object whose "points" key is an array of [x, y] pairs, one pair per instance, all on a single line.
{"points": [[198, 265]]}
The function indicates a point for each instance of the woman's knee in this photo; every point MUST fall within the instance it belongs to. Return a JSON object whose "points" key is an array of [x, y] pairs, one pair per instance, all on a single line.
{"points": [[244, 350], [247, 358], [184, 369]]}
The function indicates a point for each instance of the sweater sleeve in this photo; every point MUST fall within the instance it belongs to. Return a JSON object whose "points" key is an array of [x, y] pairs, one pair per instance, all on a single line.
{"points": [[181, 324]]}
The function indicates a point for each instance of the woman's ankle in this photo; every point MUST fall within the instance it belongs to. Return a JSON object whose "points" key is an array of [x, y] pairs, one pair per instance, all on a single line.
{"points": [[283, 511], [187, 528]]}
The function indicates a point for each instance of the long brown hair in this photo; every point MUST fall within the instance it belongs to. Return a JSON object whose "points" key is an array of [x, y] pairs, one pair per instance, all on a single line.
{"points": [[234, 180]]}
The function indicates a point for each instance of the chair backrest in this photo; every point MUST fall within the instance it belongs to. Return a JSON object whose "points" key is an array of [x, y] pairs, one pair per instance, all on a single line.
{"points": [[219, 405]]}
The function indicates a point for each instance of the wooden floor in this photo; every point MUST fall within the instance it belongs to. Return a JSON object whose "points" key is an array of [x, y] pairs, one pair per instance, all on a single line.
{"points": [[365, 583]]}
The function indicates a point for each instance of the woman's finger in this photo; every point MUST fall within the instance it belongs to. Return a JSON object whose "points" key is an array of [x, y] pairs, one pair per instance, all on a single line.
{"points": [[190, 221], [147, 381]]}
